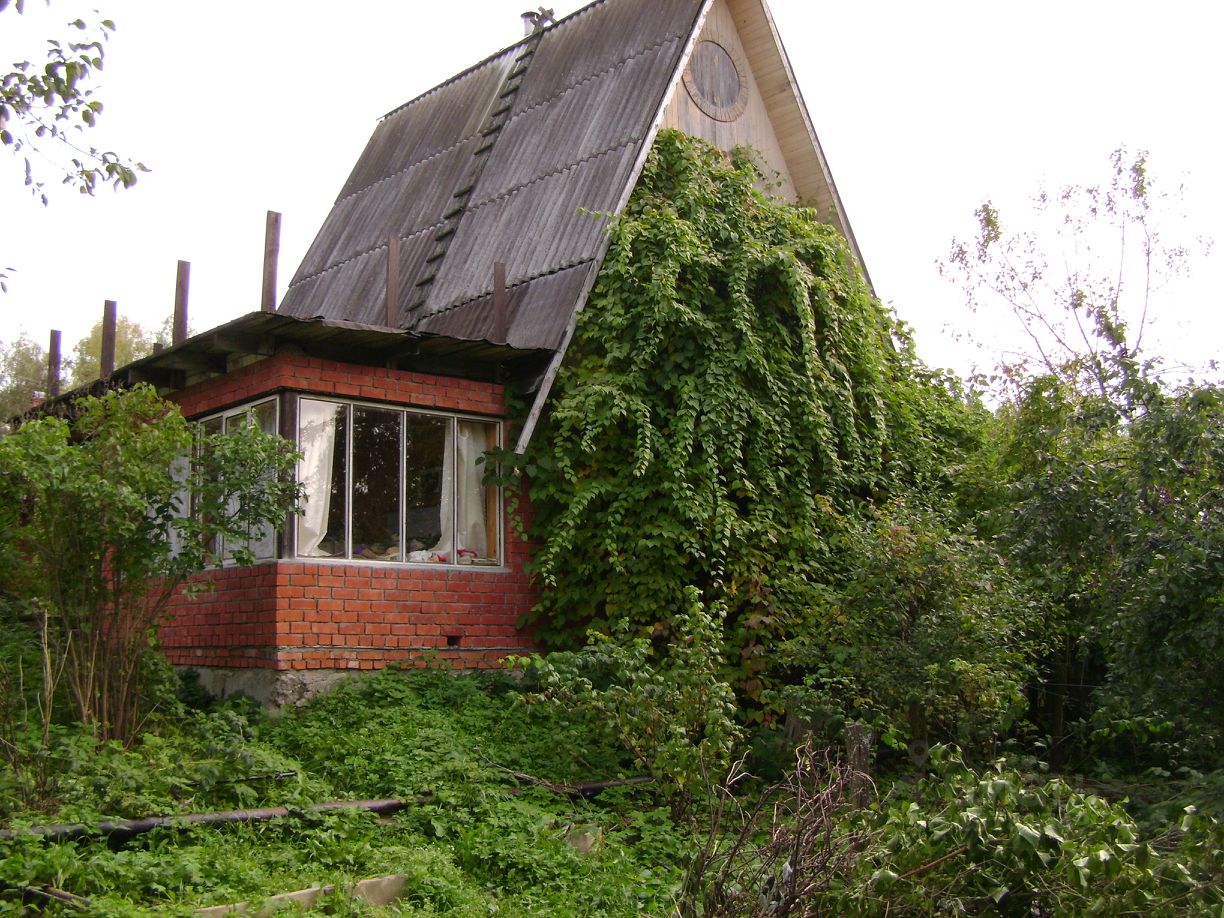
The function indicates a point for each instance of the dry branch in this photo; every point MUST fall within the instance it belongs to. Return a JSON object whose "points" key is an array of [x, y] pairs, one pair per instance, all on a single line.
{"points": [[121, 829]]}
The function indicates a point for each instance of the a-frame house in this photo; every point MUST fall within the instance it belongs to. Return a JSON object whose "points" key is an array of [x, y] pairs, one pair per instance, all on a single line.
{"points": [[453, 263]]}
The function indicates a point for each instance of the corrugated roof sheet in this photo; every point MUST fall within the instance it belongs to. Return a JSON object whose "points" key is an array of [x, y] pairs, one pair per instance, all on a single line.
{"points": [[505, 162]]}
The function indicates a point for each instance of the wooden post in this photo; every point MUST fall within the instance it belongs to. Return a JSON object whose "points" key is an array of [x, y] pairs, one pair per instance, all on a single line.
{"points": [[499, 302], [181, 287], [53, 364], [267, 302], [858, 759], [110, 314], [393, 259]]}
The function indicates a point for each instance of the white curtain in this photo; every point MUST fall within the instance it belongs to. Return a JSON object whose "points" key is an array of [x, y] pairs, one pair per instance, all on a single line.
{"points": [[462, 494], [317, 441], [469, 492], [446, 521]]}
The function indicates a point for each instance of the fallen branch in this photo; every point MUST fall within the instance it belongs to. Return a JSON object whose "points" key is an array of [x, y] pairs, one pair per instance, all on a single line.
{"points": [[582, 788], [121, 829], [51, 894]]}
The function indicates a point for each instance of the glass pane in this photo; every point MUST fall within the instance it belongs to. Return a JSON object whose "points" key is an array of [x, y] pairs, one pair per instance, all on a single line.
{"points": [[475, 505], [322, 438], [428, 520], [376, 490], [262, 543], [264, 415], [207, 429]]}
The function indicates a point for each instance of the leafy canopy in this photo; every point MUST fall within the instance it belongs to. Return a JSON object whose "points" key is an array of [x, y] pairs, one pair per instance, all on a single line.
{"points": [[733, 397]]}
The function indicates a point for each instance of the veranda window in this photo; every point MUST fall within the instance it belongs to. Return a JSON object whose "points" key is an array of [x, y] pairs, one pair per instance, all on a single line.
{"points": [[387, 484], [263, 414]]}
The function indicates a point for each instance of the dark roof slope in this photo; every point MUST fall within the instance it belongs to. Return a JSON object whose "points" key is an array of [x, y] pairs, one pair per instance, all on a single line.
{"points": [[505, 162]]}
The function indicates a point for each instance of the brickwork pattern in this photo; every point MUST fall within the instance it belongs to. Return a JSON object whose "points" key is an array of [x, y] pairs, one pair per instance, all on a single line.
{"points": [[297, 372]]}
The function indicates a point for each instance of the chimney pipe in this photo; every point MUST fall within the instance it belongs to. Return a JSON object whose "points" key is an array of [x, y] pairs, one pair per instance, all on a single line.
{"points": [[535, 20]]}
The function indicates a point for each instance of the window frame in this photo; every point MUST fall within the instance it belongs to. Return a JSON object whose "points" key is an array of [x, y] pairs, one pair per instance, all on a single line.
{"points": [[243, 408], [454, 417]]}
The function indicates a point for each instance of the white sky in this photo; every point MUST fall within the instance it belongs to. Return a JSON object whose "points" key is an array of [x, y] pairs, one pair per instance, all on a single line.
{"points": [[923, 111]]}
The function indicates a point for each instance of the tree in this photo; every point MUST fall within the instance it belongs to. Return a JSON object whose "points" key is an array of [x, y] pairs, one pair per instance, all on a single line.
{"points": [[1098, 480], [43, 109], [23, 363], [131, 343], [110, 513], [1081, 284], [23, 376]]}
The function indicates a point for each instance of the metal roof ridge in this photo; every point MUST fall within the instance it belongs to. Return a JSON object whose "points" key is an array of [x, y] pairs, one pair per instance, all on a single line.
{"points": [[492, 57]]}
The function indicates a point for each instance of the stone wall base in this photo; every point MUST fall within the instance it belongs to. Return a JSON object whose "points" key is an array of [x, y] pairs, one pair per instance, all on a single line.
{"points": [[272, 688]]}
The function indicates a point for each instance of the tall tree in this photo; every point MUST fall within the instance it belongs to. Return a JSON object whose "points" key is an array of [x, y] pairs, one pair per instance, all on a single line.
{"points": [[1082, 283], [1100, 482]]}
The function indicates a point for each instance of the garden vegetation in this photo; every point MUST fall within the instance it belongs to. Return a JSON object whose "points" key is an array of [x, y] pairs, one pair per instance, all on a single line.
{"points": [[863, 645]]}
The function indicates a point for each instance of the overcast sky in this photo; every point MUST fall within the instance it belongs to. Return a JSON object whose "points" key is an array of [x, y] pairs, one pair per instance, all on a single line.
{"points": [[923, 110]]}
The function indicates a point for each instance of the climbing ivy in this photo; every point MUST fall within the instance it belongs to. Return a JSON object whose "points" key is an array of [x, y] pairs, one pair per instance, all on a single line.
{"points": [[733, 396]]}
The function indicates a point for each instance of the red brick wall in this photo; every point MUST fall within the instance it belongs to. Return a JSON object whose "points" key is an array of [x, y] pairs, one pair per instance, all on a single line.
{"points": [[328, 377], [300, 613]]}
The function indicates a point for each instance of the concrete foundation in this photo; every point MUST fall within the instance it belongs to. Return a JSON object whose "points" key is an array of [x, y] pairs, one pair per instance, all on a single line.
{"points": [[272, 688]]}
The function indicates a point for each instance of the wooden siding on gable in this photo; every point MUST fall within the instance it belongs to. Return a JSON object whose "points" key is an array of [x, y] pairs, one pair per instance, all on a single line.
{"points": [[753, 128]]}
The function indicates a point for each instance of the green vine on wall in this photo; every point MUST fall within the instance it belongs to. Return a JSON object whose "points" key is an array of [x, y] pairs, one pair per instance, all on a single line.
{"points": [[733, 392]]}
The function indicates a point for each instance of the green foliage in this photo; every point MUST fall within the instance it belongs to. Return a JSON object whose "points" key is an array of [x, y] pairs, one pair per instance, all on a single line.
{"points": [[927, 638], [732, 389], [44, 108], [1164, 646], [471, 842], [23, 376], [474, 841], [132, 342], [998, 841], [669, 707], [1099, 482], [98, 515]]}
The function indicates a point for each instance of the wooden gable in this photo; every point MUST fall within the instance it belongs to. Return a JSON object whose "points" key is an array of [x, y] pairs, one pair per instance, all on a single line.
{"points": [[738, 90]]}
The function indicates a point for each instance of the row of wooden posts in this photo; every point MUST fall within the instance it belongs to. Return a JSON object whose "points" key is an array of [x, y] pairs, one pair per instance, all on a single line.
{"points": [[110, 310]]}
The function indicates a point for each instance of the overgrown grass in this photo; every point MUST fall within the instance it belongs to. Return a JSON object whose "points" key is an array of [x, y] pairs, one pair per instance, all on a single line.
{"points": [[472, 842], [476, 841]]}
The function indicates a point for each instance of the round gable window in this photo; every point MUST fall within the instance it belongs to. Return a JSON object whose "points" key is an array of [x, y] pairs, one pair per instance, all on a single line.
{"points": [[715, 81]]}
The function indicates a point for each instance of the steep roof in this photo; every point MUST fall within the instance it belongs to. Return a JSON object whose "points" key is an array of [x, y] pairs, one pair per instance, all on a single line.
{"points": [[517, 159], [508, 161]]}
